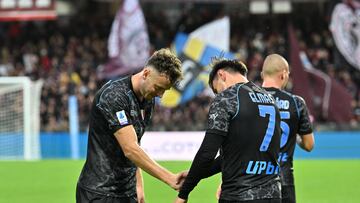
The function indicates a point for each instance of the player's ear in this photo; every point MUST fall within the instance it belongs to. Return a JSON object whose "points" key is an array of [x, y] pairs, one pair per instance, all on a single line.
{"points": [[146, 72], [221, 74], [285, 73], [282, 76]]}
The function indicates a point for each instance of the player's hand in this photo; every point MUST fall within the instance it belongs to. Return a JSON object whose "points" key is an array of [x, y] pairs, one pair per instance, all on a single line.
{"points": [[179, 200], [173, 182], [181, 177], [218, 192], [177, 180], [140, 194]]}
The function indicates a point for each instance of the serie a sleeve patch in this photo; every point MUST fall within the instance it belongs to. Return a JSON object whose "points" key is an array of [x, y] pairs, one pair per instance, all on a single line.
{"points": [[121, 116]]}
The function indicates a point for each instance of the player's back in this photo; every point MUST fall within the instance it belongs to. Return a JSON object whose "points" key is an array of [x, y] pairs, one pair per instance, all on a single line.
{"points": [[250, 150], [294, 120]]}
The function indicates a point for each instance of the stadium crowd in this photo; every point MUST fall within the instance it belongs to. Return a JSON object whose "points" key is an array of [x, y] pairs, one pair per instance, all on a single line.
{"points": [[67, 54]]}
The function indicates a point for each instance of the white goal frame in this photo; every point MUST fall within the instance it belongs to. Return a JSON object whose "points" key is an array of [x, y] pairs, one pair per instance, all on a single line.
{"points": [[31, 113]]}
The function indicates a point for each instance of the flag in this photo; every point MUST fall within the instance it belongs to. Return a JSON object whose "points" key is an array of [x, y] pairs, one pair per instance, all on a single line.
{"points": [[128, 43], [215, 33], [345, 29], [325, 97], [195, 52], [195, 56]]}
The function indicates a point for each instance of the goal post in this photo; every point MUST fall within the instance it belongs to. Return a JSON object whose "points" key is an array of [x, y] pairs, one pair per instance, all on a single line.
{"points": [[20, 118]]}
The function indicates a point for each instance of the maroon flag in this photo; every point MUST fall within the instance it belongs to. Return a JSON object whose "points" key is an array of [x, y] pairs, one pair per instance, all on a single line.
{"points": [[340, 103], [325, 97], [128, 43], [301, 85]]}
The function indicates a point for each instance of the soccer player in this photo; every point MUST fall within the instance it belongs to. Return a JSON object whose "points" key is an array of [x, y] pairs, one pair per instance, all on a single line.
{"points": [[295, 122], [120, 112], [244, 123]]}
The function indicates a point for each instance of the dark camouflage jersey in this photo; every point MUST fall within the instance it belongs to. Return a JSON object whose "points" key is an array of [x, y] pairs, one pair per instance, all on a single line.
{"points": [[294, 120], [106, 170], [249, 119]]}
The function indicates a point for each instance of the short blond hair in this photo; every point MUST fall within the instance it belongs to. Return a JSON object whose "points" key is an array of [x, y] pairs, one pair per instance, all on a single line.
{"points": [[274, 63]]}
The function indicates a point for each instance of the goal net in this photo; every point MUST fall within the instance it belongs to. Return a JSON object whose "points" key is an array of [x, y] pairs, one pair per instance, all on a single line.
{"points": [[19, 118]]}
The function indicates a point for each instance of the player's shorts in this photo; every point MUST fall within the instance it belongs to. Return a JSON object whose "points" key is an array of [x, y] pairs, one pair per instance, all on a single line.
{"points": [[288, 194], [253, 201], [85, 196]]}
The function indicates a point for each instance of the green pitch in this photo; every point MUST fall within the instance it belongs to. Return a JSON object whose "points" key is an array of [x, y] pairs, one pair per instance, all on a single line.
{"points": [[317, 181]]}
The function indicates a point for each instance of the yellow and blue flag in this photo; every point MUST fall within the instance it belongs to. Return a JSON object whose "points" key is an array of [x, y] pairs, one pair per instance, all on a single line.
{"points": [[195, 56]]}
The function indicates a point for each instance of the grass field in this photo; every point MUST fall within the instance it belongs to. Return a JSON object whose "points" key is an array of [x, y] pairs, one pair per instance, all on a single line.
{"points": [[54, 181]]}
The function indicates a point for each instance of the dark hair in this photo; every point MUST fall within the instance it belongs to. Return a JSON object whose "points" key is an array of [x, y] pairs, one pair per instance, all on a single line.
{"points": [[228, 65], [166, 63]]}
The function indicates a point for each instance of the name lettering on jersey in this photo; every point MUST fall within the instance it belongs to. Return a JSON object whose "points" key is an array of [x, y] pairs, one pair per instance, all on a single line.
{"points": [[282, 104], [261, 98], [121, 116], [262, 167]]}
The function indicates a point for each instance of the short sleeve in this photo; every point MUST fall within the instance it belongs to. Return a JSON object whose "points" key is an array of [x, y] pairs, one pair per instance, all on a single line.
{"points": [[222, 110], [305, 126], [115, 107]]}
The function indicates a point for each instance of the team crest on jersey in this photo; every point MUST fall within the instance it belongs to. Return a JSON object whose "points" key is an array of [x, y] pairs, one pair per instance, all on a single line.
{"points": [[121, 116], [133, 113]]}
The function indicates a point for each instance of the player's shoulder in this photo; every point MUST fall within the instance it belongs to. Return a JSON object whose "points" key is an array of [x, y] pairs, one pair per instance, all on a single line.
{"points": [[228, 97], [288, 95], [285, 93], [122, 84], [298, 99], [229, 93], [114, 90]]}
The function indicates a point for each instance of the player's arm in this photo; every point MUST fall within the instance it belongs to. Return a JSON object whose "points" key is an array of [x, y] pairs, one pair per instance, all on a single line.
{"points": [[222, 109], [306, 142], [305, 137], [140, 186], [204, 164], [114, 106], [127, 139]]}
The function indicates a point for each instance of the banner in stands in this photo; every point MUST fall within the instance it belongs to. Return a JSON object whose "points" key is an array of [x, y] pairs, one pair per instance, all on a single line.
{"points": [[345, 28], [196, 51], [21, 10], [326, 98], [172, 146], [195, 56], [128, 43], [215, 33]]}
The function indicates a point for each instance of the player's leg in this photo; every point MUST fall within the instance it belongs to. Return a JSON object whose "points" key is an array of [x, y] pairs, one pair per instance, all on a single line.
{"points": [[288, 194]]}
